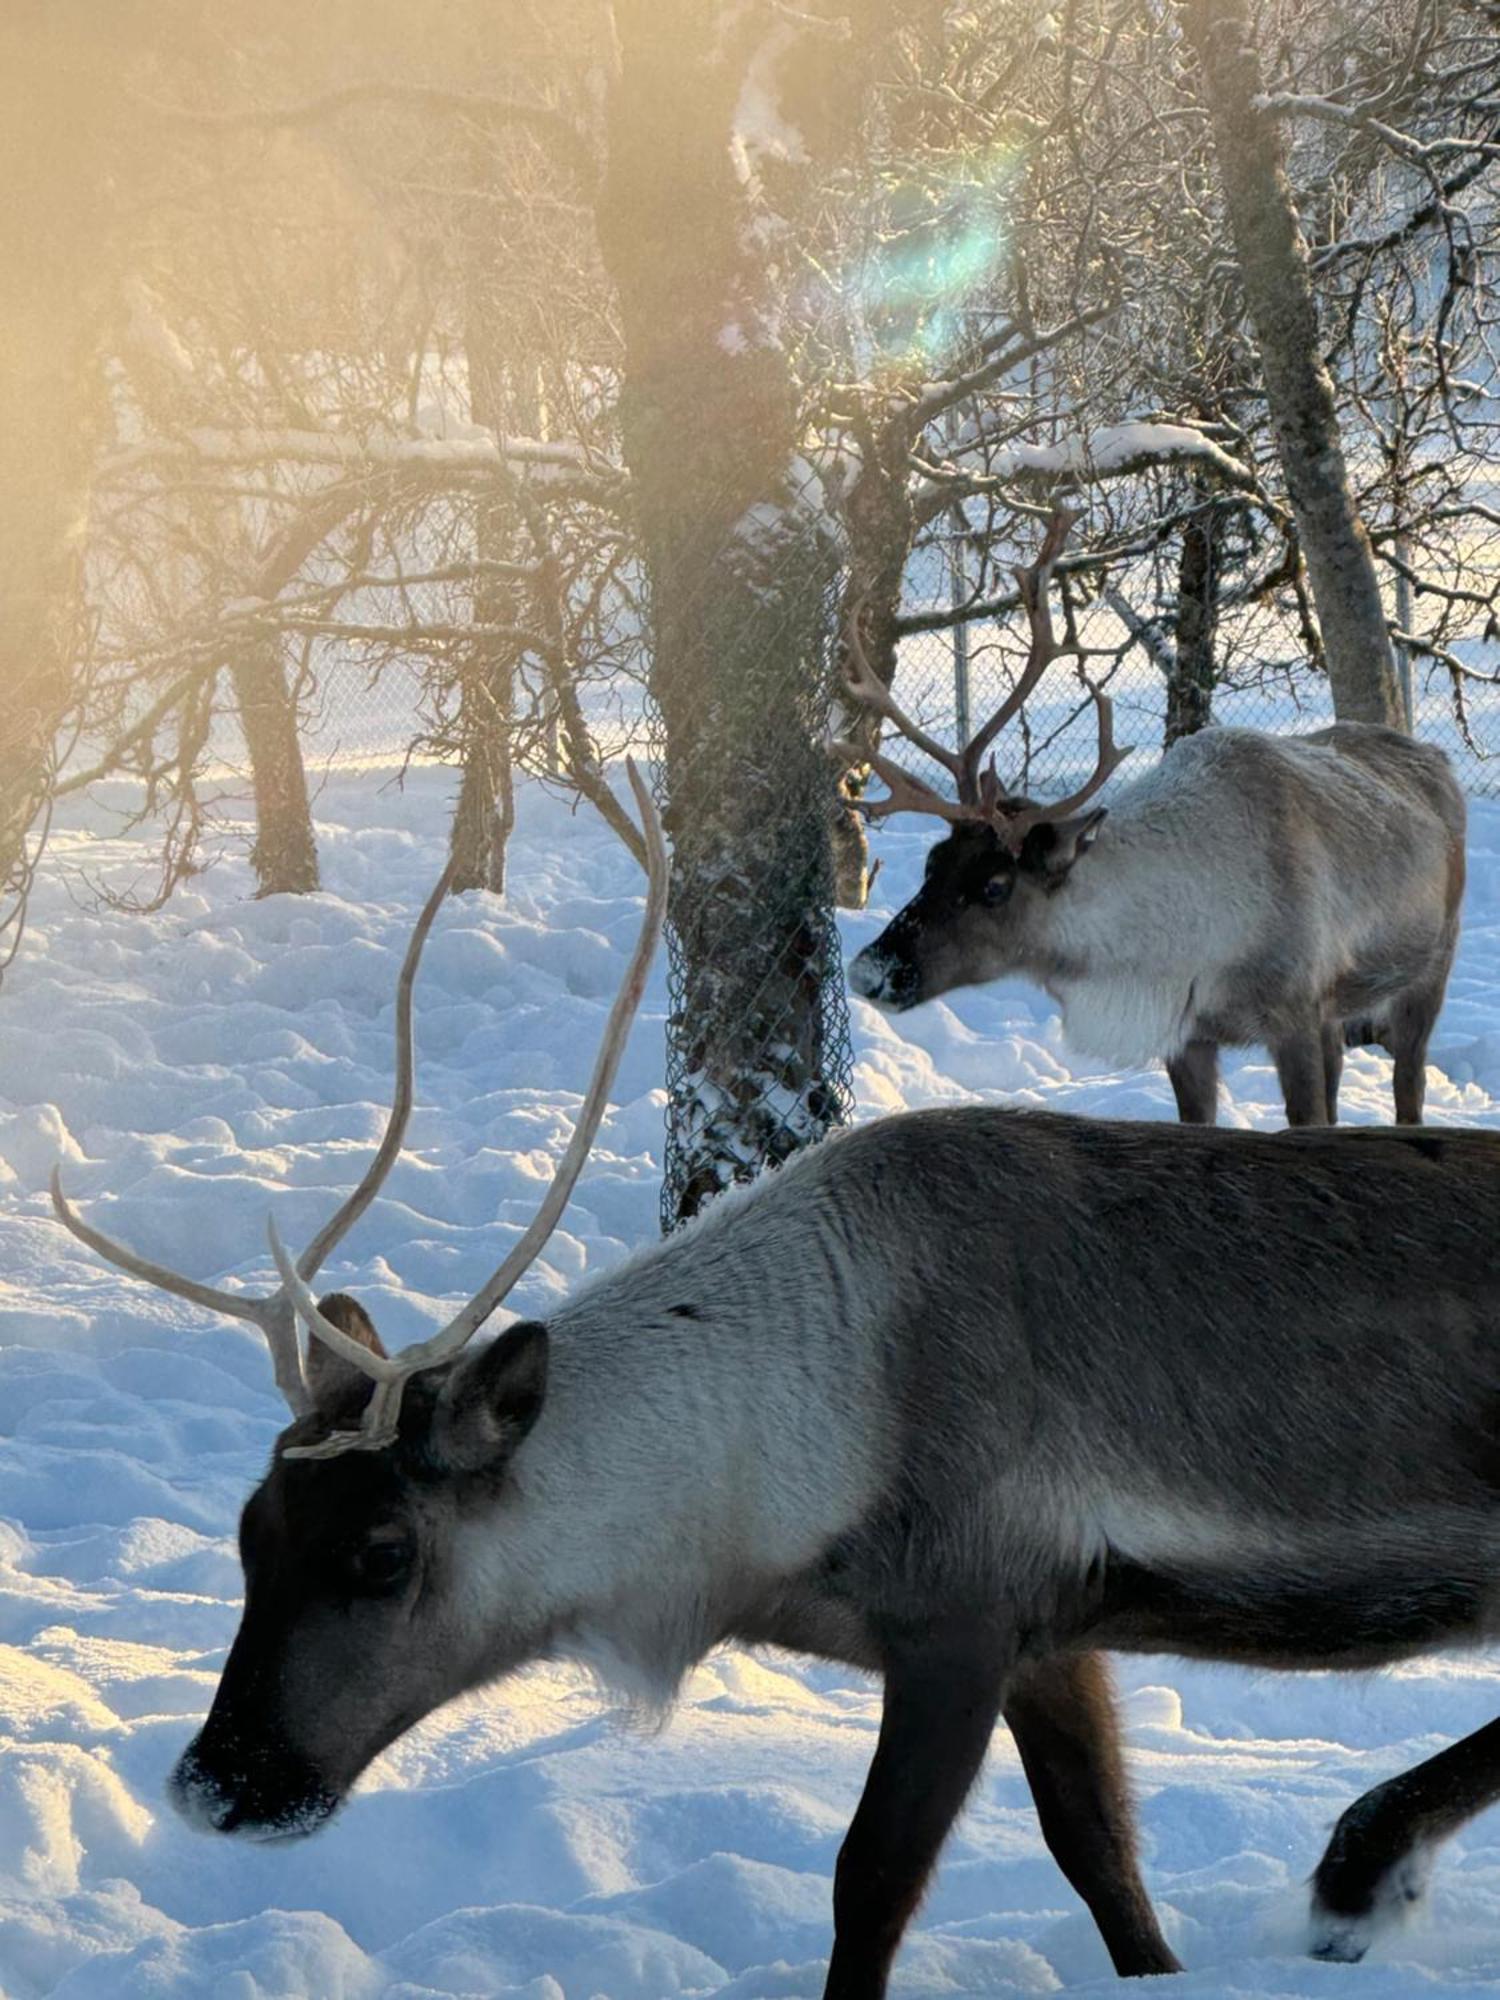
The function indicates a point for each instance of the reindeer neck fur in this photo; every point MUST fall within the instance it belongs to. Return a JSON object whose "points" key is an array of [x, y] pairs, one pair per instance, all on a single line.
{"points": [[1133, 928], [1193, 879], [712, 1421]]}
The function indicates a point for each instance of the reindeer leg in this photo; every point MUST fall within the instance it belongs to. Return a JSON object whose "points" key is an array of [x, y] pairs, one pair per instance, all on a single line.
{"points": [[1333, 1067], [1410, 1029], [942, 1699], [1194, 1075], [1062, 1715], [1299, 1065], [1375, 1867]]}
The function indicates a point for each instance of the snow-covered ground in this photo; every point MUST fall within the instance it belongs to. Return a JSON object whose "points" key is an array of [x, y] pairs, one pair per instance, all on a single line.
{"points": [[194, 1068]]}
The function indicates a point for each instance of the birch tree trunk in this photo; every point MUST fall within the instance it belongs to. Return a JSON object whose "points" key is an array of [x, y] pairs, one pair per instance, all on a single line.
{"points": [[485, 812], [1273, 269], [739, 564], [285, 854]]}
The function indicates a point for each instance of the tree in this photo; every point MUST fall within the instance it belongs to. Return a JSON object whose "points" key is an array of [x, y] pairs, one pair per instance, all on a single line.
{"points": [[1273, 267], [739, 548]]}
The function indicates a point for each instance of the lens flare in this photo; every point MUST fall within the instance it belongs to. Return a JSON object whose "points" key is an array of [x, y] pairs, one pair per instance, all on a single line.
{"points": [[938, 242]]}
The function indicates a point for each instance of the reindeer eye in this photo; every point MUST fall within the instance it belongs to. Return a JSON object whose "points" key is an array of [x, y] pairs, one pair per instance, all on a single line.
{"points": [[997, 889], [381, 1566]]}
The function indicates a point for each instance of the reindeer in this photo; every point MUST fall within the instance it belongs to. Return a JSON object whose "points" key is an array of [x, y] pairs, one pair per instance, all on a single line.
{"points": [[961, 1398], [1297, 891]]}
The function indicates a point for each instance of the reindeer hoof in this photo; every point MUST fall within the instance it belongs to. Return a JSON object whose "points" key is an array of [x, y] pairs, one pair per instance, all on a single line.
{"points": [[1342, 1935]]}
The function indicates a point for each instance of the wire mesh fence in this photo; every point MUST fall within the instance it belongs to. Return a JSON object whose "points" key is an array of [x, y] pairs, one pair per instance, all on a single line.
{"points": [[950, 679], [759, 1056], [759, 1060]]}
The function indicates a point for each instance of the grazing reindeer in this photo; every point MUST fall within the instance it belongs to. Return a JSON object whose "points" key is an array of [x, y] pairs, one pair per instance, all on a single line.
{"points": [[961, 1398], [1298, 891]]}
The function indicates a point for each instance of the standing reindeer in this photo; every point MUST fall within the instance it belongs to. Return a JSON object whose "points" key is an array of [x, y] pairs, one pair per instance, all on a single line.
{"points": [[960, 1398], [1297, 891]]}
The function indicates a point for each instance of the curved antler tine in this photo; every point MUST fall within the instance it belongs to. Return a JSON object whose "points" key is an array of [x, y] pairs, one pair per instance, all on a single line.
{"points": [[344, 1218], [377, 1366], [866, 686], [378, 1426], [1064, 520], [1014, 829], [909, 793], [276, 1323], [276, 1315], [1033, 583], [462, 1327], [977, 792], [123, 1258]]}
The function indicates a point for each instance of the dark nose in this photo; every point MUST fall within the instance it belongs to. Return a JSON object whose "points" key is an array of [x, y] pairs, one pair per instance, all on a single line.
{"points": [[889, 982], [265, 1794]]}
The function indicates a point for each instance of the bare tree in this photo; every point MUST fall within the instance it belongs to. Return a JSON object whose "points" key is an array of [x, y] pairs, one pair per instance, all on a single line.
{"points": [[738, 543], [1273, 266]]}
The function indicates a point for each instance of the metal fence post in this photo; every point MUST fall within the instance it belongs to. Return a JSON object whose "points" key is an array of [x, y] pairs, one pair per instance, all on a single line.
{"points": [[958, 592]]}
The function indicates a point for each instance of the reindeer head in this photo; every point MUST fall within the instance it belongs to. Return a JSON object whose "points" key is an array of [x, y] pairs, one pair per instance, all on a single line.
{"points": [[359, 1545], [984, 904], [982, 911], [360, 1614]]}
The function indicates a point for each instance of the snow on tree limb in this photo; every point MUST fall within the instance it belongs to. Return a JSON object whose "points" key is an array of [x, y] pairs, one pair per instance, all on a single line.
{"points": [[547, 461], [1420, 153], [1113, 451]]}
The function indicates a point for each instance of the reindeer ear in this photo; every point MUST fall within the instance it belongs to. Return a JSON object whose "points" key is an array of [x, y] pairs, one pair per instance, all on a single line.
{"points": [[492, 1399], [335, 1384], [1051, 848]]}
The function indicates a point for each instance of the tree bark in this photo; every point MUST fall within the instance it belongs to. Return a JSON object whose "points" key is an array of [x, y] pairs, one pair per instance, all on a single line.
{"points": [[1274, 272], [485, 813], [285, 854], [740, 566], [880, 527], [1190, 683]]}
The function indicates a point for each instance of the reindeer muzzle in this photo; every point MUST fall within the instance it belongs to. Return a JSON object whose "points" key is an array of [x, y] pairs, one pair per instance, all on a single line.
{"points": [[264, 1793], [893, 983]]}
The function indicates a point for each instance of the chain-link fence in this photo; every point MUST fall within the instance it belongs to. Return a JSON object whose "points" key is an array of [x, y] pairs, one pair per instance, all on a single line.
{"points": [[759, 1058], [951, 678], [730, 704]]}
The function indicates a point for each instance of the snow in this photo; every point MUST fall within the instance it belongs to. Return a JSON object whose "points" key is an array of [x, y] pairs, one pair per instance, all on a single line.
{"points": [[476, 449], [1112, 448], [759, 131], [193, 1069]]}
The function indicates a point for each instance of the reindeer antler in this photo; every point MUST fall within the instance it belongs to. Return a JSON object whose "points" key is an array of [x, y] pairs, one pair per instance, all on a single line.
{"points": [[273, 1312], [980, 795], [390, 1375], [276, 1313]]}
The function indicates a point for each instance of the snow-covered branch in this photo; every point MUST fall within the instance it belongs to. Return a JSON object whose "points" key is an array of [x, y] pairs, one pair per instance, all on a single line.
{"points": [[1145, 631], [561, 135], [1419, 152], [1113, 451], [1422, 217], [548, 462]]}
